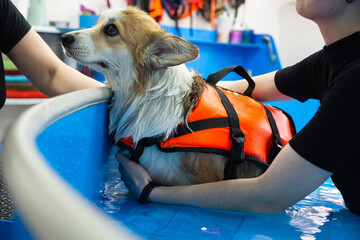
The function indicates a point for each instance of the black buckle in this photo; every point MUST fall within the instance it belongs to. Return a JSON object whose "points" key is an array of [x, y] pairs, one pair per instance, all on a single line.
{"points": [[275, 150], [279, 145], [237, 148]]}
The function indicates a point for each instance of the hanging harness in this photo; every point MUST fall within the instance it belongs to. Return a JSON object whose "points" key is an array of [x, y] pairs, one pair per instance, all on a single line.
{"points": [[226, 123], [236, 5], [153, 8]]}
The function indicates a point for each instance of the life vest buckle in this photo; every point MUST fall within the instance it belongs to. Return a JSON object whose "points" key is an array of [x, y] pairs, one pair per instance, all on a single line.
{"points": [[237, 153], [239, 139], [279, 145]]}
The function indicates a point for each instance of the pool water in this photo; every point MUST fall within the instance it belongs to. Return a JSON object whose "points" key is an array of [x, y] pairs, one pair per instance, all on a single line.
{"points": [[321, 215]]}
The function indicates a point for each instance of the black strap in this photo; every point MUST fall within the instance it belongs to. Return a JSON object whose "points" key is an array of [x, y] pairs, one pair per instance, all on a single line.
{"points": [[138, 151], [180, 131], [144, 142], [144, 196], [230, 171], [237, 152], [277, 144], [199, 125], [214, 78]]}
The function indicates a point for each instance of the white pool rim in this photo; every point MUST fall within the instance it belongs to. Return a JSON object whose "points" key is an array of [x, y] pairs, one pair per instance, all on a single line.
{"points": [[47, 204]]}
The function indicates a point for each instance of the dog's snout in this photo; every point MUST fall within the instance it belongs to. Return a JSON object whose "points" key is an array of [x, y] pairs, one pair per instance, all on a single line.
{"points": [[67, 39]]}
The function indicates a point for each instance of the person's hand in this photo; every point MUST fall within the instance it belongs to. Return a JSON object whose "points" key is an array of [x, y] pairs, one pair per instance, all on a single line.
{"points": [[134, 175]]}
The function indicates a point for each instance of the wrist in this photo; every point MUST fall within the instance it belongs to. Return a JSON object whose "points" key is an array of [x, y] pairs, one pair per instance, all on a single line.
{"points": [[145, 194]]}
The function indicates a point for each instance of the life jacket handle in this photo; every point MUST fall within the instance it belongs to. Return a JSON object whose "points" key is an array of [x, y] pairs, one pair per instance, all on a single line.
{"points": [[215, 77]]}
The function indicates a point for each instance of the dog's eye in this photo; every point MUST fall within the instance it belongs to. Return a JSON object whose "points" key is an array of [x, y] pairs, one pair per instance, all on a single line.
{"points": [[111, 30]]}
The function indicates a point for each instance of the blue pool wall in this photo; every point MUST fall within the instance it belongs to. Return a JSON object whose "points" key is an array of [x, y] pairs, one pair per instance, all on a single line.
{"points": [[76, 147]]}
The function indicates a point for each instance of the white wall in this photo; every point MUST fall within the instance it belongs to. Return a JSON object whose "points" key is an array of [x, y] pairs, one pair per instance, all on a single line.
{"points": [[295, 36]]}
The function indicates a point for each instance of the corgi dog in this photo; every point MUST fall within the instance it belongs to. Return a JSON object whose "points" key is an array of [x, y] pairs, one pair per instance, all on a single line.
{"points": [[153, 90]]}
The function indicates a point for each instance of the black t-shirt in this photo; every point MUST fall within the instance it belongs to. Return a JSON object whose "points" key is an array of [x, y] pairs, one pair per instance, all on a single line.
{"points": [[13, 27], [331, 139]]}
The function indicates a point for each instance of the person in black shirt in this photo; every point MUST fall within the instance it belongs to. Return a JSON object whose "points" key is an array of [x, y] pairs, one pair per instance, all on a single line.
{"points": [[327, 146], [34, 58]]}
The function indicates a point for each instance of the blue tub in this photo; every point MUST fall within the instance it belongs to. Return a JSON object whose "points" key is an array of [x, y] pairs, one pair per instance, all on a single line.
{"points": [[61, 169], [60, 166]]}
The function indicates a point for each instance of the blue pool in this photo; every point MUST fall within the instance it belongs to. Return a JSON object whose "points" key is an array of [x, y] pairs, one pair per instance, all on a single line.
{"points": [[66, 186], [321, 215], [60, 166]]}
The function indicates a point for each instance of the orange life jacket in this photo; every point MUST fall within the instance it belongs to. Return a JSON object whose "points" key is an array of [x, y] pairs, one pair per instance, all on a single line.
{"points": [[227, 123], [155, 10]]}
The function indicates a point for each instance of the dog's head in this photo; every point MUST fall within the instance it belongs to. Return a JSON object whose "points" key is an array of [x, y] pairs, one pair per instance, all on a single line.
{"points": [[127, 41]]}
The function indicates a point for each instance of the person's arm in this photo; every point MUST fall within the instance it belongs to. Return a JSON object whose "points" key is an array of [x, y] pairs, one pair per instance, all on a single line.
{"points": [[289, 179], [44, 69], [265, 88]]}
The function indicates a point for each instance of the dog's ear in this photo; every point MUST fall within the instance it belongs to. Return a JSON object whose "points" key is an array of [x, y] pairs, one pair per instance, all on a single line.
{"points": [[165, 49]]}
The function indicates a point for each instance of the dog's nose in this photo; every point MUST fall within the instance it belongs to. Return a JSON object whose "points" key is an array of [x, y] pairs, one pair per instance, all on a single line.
{"points": [[67, 39]]}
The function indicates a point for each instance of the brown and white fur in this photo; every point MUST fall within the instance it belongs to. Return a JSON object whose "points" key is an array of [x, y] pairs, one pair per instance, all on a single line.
{"points": [[153, 90]]}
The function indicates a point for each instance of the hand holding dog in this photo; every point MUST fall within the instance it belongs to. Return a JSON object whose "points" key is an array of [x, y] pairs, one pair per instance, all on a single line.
{"points": [[134, 175]]}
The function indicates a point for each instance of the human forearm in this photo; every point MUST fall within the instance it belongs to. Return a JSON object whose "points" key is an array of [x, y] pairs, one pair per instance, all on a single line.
{"points": [[44, 69], [67, 79], [282, 185], [234, 195], [240, 194], [265, 88]]}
